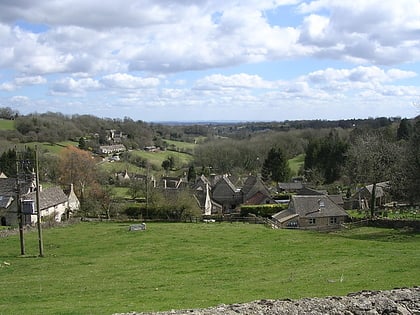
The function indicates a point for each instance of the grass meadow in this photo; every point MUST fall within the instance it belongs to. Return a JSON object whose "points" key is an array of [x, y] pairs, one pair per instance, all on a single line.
{"points": [[6, 124], [103, 268]]}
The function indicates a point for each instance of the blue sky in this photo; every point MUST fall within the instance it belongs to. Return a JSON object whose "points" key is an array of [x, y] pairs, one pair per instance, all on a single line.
{"points": [[252, 60]]}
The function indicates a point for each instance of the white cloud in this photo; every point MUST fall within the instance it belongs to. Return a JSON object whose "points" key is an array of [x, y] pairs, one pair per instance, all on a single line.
{"points": [[241, 80], [30, 80], [72, 87], [380, 32], [127, 81], [7, 86], [131, 52]]}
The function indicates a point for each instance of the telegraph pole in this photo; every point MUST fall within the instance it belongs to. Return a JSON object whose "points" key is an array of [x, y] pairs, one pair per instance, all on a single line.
{"points": [[19, 205], [38, 208]]}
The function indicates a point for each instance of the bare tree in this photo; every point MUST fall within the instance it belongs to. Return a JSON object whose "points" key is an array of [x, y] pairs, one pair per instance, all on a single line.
{"points": [[371, 159]]}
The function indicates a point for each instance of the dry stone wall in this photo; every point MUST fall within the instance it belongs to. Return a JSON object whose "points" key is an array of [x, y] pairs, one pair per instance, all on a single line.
{"points": [[405, 301]]}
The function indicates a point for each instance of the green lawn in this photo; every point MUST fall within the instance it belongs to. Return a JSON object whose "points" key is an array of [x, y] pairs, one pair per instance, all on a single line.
{"points": [[102, 268]]}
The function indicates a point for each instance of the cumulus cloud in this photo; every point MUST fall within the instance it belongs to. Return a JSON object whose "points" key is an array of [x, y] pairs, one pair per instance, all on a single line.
{"points": [[241, 80], [147, 51], [127, 81], [380, 32], [72, 87]]}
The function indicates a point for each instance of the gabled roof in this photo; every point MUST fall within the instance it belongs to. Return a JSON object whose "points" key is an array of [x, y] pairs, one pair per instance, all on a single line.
{"points": [[257, 199], [309, 192], [252, 185], [292, 186], [315, 206], [225, 180], [7, 186], [6, 201], [285, 215], [48, 197]]}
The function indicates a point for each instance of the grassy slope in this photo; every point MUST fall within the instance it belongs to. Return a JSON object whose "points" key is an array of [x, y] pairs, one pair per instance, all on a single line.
{"points": [[156, 158], [179, 145], [101, 268], [7, 124], [296, 163]]}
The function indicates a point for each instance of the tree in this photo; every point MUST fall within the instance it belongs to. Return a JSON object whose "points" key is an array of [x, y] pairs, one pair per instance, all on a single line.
{"points": [[82, 143], [8, 163], [404, 130], [100, 200], [326, 156], [406, 180], [166, 165], [275, 166], [371, 159], [77, 167], [192, 174]]}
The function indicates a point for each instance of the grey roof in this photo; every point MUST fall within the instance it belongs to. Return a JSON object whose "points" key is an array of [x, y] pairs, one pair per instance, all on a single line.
{"points": [[5, 201], [253, 185], [315, 206], [48, 197], [7, 186], [291, 186]]}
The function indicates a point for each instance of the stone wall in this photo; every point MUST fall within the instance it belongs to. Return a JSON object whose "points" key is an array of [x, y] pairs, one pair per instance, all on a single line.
{"points": [[405, 301]]}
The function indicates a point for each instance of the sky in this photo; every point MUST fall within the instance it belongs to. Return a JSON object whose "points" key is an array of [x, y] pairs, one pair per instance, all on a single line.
{"points": [[211, 60]]}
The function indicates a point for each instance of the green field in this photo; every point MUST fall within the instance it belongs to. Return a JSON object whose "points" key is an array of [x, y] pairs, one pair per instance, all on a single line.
{"points": [[156, 158], [296, 164], [180, 146], [102, 268], [6, 124]]}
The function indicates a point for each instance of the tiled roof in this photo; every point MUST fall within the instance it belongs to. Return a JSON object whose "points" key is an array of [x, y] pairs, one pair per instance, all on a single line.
{"points": [[48, 197], [5, 201], [257, 199], [7, 186], [315, 206]]}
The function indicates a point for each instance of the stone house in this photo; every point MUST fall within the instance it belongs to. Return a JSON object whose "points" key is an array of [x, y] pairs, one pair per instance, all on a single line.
{"points": [[226, 194], [110, 149], [362, 198], [318, 212], [53, 202], [223, 197]]}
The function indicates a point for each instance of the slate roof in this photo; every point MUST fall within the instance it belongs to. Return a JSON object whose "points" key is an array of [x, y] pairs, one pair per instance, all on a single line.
{"points": [[292, 186], [253, 185], [6, 201], [257, 199], [7, 186], [315, 206], [48, 197]]}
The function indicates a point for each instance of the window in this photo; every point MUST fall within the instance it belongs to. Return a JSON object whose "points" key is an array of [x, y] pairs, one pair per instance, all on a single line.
{"points": [[333, 220], [312, 221]]}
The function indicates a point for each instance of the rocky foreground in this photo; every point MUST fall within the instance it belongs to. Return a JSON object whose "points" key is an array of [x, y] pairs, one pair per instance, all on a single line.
{"points": [[404, 301]]}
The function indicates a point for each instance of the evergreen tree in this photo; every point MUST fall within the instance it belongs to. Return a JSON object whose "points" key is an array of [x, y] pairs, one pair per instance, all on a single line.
{"points": [[404, 130], [191, 175], [326, 156], [82, 143], [275, 166], [8, 163]]}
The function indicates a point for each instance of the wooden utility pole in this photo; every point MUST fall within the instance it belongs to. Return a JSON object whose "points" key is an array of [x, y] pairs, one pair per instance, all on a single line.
{"points": [[19, 205], [38, 208]]}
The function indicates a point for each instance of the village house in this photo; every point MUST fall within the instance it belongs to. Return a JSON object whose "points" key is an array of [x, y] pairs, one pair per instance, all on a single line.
{"points": [[318, 212], [221, 196], [54, 203], [362, 198], [115, 136], [110, 149]]}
